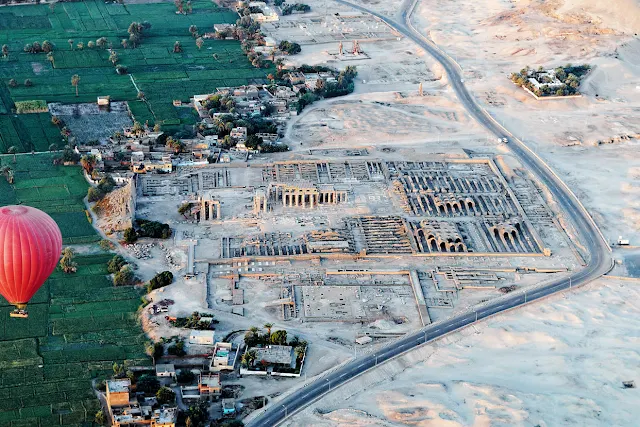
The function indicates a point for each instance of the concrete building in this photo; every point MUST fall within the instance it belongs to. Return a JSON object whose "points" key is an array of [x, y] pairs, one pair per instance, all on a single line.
{"points": [[118, 392], [126, 410], [165, 370], [202, 337], [209, 386], [239, 134], [224, 357], [295, 77]]}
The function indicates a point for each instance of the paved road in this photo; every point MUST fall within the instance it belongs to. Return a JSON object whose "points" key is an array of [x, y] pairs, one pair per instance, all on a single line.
{"points": [[599, 261]]}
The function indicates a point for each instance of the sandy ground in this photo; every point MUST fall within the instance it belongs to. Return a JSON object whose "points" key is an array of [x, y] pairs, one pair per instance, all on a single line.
{"points": [[572, 135], [556, 363]]}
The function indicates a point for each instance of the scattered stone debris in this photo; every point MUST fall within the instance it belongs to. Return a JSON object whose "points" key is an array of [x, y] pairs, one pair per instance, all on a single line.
{"points": [[141, 251]]}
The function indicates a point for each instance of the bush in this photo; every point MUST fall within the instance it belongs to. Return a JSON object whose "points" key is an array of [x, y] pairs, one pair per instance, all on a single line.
{"points": [[106, 184], [130, 235], [124, 277], [177, 349], [94, 194], [148, 384], [185, 376], [116, 264], [165, 395], [160, 280], [35, 106]]}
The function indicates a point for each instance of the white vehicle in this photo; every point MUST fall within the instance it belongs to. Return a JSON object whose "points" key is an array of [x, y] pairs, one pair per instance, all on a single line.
{"points": [[505, 140]]}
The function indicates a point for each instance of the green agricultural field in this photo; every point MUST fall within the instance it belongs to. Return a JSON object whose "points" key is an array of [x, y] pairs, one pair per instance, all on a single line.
{"points": [[152, 66], [57, 190], [79, 324]]}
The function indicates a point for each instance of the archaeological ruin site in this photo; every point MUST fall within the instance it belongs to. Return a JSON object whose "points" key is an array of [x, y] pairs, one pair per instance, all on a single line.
{"points": [[344, 236]]}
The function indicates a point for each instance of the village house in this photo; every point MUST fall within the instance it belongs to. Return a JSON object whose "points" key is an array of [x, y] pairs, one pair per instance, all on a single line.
{"points": [[224, 357], [239, 134], [127, 410]]}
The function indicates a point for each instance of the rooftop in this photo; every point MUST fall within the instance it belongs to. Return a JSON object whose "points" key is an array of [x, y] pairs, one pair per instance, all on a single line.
{"points": [[119, 386], [281, 354]]}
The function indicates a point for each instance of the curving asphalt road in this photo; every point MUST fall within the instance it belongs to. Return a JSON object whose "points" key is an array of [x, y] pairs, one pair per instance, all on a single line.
{"points": [[599, 261]]}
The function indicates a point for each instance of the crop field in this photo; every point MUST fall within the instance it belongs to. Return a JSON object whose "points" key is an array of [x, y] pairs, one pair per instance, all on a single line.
{"points": [[28, 132], [153, 67], [79, 324], [57, 190]]}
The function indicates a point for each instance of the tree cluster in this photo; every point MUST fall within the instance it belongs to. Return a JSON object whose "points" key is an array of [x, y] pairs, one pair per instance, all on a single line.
{"points": [[296, 7], [194, 321], [136, 32], [219, 104], [67, 263], [122, 271], [288, 47], [177, 349], [36, 47], [160, 280], [185, 376], [153, 229], [569, 75]]}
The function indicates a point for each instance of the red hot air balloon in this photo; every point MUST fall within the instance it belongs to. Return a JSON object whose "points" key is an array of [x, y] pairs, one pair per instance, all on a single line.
{"points": [[30, 247]]}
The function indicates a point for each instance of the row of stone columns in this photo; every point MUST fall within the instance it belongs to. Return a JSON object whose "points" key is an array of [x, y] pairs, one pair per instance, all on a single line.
{"points": [[302, 198], [210, 210]]}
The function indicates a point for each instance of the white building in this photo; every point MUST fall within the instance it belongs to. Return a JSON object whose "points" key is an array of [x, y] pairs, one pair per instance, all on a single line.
{"points": [[165, 370]]}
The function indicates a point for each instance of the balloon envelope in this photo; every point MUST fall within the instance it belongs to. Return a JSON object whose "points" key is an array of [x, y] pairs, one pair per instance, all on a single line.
{"points": [[30, 247]]}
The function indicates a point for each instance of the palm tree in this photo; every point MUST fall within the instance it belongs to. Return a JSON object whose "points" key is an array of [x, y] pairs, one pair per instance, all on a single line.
{"points": [[113, 57], [177, 47], [5, 50], [134, 38], [75, 79], [193, 30], [66, 262], [47, 46], [51, 59], [268, 327], [70, 41], [137, 128], [13, 150], [124, 43], [199, 42], [101, 42]]}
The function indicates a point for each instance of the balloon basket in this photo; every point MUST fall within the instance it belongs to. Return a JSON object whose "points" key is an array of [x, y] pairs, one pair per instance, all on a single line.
{"points": [[20, 314]]}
